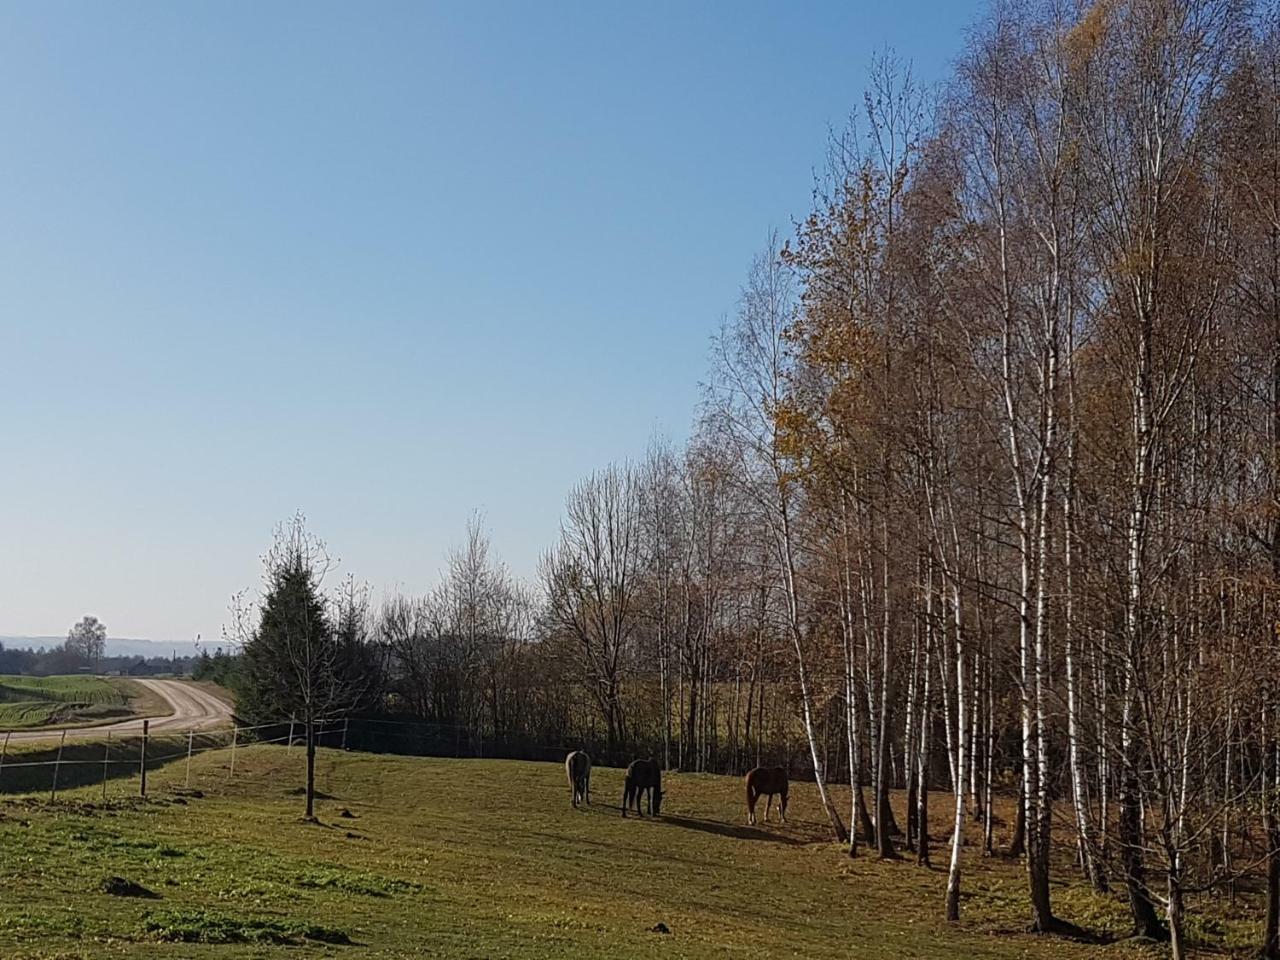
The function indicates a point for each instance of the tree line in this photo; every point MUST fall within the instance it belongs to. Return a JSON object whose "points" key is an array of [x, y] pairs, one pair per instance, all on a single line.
{"points": [[984, 491], [85, 651]]}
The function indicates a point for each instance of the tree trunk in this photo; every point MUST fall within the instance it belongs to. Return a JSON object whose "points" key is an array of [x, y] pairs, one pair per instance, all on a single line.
{"points": [[957, 832], [910, 739], [926, 736], [695, 681], [806, 699], [1018, 843], [885, 827], [853, 729], [1271, 928], [664, 669], [1089, 860], [819, 773], [1146, 922], [1271, 710], [1177, 947], [311, 770], [1271, 825]]}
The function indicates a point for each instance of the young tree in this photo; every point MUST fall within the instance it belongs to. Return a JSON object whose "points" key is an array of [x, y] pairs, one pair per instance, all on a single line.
{"points": [[295, 664]]}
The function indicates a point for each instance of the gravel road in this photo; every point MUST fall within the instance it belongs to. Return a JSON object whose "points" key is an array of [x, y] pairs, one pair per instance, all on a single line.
{"points": [[193, 709]]}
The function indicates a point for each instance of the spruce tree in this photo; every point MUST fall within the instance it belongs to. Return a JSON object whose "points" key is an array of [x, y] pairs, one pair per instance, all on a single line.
{"points": [[294, 664]]}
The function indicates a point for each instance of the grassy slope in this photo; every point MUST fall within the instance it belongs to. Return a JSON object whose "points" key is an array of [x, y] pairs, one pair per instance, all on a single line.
{"points": [[465, 858]]}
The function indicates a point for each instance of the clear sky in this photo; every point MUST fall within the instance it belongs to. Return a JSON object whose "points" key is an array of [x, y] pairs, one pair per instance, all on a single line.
{"points": [[387, 263]]}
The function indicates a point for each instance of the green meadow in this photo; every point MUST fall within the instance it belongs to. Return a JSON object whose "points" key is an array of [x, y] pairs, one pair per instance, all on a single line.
{"points": [[486, 858], [41, 701]]}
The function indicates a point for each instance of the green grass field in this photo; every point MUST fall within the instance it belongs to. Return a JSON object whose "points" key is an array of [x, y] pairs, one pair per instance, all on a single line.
{"points": [[40, 701], [467, 858]]}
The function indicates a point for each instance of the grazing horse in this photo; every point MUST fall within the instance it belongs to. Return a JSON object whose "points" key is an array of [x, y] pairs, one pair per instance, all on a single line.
{"points": [[767, 781], [578, 767], [643, 775]]}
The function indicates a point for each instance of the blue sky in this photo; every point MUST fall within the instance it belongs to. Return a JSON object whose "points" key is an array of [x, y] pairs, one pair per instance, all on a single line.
{"points": [[386, 263]]}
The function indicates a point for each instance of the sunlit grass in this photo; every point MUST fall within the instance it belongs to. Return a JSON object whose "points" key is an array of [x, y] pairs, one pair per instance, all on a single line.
{"points": [[471, 858]]}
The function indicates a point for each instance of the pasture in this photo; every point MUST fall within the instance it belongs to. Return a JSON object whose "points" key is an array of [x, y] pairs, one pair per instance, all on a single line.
{"points": [[43, 701], [478, 858]]}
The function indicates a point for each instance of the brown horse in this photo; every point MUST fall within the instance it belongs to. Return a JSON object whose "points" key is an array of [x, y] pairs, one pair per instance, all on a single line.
{"points": [[767, 781], [643, 775], [577, 765]]}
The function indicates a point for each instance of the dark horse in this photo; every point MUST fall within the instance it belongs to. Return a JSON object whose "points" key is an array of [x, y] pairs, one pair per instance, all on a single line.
{"points": [[767, 781], [578, 767], [643, 775]]}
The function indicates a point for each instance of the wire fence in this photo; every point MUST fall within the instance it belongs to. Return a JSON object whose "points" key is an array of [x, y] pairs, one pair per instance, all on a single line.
{"points": [[60, 762]]}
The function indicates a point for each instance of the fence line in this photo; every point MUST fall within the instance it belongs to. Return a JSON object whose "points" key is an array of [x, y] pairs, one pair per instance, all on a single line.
{"points": [[412, 737], [138, 751], [192, 741]]}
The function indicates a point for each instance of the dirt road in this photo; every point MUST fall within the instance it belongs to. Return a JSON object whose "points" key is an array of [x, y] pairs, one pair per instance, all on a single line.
{"points": [[193, 709]]}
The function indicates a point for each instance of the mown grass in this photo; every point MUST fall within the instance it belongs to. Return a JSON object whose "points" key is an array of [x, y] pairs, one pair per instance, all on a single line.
{"points": [[27, 702], [477, 858]]}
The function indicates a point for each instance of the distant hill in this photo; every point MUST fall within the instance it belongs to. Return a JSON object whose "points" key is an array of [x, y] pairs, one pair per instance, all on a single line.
{"points": [[116, 646]]}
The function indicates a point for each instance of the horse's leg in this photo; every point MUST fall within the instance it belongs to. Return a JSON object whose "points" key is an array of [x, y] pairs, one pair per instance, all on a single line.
{"points": [[768, 805], [751, 806], [626, 797], [587, 796], [782, 809]]}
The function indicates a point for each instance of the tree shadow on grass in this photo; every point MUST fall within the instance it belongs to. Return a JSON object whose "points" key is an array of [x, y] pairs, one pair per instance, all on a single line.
{"points": [[302, 792], [733, 830], [1066, 930], [565, 840]]}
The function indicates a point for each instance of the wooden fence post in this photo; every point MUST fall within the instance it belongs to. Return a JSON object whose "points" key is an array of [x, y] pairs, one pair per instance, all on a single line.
{"points": [[106, 758], [289, 745], [4, 751], [191, 739], [57, 765], [346, 722], [142, 761], [234, 730]]}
